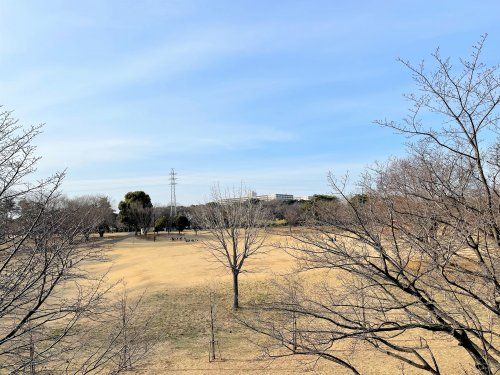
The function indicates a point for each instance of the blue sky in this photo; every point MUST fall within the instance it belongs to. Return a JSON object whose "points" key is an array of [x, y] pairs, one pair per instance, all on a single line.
{"points": [[273, 94]]}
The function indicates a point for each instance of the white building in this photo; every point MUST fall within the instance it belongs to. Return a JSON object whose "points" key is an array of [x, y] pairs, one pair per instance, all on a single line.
{"points": [[303, 198], [276, 196]]}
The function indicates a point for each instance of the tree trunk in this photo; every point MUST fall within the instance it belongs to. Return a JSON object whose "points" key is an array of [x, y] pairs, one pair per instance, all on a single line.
{"points": [[212, 334], [481, 360], [235, 290]]}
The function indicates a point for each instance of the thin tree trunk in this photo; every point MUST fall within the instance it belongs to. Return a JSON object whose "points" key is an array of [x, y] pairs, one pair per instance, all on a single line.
{"points": [[212, 333], [235, 290]]}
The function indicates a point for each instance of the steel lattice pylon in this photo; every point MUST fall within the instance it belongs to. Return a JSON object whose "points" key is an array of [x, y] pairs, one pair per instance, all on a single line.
{"points": [[173, 202]]}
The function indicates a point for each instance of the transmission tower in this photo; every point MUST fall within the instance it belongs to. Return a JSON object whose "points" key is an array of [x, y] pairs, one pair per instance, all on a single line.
{"points": [[173, 202]]}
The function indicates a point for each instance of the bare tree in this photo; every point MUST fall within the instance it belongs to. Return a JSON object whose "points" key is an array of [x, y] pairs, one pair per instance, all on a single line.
{"points": [[293, 214], [107, 215], [418, 256], [135, 339], [45, 293], [94, 213], [238, 230]]}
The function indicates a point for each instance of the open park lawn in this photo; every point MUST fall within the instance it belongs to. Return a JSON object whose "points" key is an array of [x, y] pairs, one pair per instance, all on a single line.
{"points": [[177, 278]]}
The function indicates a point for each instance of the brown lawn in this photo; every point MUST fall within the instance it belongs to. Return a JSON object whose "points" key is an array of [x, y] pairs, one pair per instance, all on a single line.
{"points": [[178, 277]]}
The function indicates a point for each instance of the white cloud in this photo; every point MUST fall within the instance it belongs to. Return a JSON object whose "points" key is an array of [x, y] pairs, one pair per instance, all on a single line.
{"points": [[76, 151], [80, 149]]}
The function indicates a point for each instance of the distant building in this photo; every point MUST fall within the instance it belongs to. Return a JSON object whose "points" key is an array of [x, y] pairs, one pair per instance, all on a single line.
{"points": [[266, 197], [277, 196], [303, 198]]}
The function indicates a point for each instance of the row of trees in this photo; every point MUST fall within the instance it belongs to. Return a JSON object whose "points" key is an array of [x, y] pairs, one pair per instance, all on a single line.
{"points": [[136, 212]]}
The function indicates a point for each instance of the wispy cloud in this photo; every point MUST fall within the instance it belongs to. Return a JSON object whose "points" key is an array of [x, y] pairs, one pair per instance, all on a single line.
{"points": [[101, 148], [271, 95]]}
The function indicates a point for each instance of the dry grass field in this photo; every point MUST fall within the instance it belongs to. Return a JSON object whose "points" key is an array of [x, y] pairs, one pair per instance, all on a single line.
{"points": [[178, 277]]}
